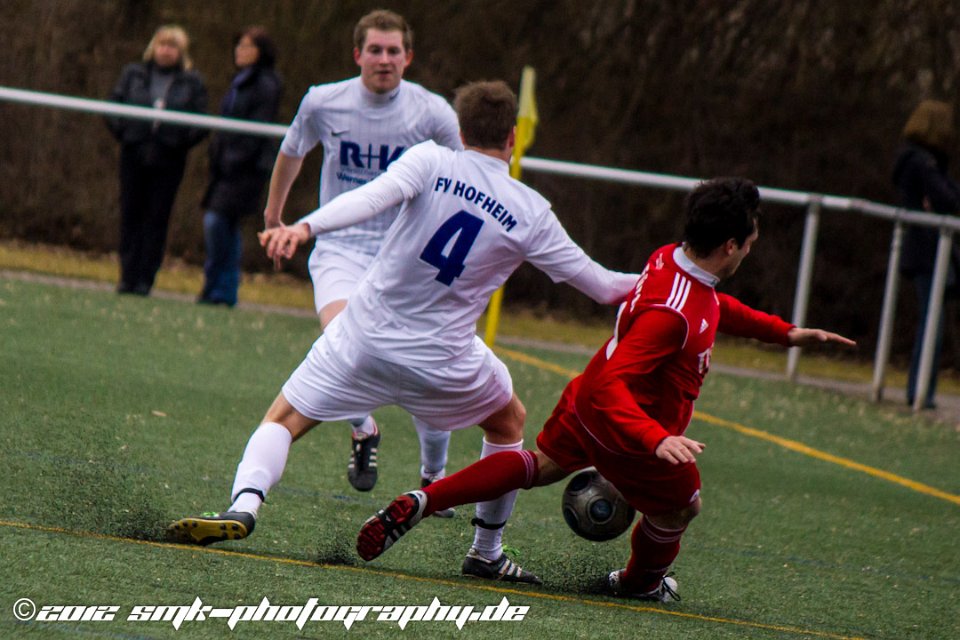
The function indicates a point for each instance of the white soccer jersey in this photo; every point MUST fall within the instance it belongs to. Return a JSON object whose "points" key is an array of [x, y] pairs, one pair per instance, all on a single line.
{"points": [[465, 225], [362, 134]]}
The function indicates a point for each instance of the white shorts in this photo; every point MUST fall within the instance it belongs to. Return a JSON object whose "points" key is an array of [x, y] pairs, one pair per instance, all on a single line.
{"points": [[338, 381], [335, 273]]}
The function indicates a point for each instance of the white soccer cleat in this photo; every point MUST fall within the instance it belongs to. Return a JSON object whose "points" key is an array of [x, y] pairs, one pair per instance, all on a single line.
{"points": [[665, 592]]}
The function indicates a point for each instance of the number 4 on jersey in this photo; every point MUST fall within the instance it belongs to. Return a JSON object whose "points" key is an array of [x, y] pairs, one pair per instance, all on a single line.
{"points": [[465, 227]]}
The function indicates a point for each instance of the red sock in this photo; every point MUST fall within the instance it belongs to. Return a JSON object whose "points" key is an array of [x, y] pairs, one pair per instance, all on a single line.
{"points": [[486, 479], [654, 550]]}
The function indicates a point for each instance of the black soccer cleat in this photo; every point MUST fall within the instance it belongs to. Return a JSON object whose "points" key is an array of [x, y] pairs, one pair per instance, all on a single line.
{"points": [[212, 527], [666, 591], [388, 525], [449, 512], [362, 469], [503, 569]]}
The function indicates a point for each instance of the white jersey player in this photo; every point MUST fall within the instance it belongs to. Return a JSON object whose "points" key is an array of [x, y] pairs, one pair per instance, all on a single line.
{"points": [[362, 134], [407, 336], [363, 124]]}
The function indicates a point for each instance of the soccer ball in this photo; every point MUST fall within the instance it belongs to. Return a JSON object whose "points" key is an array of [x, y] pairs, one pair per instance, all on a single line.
{"points": [[594, 509]]}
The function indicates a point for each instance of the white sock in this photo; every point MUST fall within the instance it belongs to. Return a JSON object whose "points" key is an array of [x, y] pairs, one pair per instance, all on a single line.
{"points": [[487, 542], [433, 450], [365, 426], [261, 466], [249, 502]]}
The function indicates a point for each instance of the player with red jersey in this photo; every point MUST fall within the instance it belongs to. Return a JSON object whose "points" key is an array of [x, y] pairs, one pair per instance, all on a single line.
{"points": [[627, 413]]}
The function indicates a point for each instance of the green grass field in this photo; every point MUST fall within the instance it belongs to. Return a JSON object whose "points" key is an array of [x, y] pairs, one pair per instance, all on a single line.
{"points": [[118, 415]]}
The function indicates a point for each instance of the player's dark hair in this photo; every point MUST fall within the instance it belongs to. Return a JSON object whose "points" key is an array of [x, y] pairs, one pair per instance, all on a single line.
{"points": [[382, 20], [718, 210], [487, 112], [266, 49]]}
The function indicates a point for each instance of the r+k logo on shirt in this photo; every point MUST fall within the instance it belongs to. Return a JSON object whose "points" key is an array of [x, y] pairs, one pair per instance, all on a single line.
{"points": [[353, 155]]}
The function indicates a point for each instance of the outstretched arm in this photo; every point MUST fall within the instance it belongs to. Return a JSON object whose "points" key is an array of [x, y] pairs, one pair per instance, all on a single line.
{"points": [[345, 210], [738, 319], [554, 253], [602, 284], [800, 337]]}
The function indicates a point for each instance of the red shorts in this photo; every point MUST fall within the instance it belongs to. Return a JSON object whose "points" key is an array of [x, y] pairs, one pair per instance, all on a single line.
{"points": [[651, 485]]}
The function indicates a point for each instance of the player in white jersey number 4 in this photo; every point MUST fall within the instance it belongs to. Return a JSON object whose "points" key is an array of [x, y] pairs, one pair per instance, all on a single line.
{"points": [[363, 124], [408, 334]]}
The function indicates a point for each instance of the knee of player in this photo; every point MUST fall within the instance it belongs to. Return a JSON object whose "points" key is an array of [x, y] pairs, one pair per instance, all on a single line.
{"points": [[680, 518], [514, 426], [692, 511], [520, 418], [506, 425]]}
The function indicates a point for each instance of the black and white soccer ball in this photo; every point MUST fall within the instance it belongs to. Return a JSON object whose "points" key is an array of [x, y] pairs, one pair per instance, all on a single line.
{"points": [[594, 508]]}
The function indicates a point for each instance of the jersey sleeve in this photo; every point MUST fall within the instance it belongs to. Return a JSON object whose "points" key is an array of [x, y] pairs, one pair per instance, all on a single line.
{"points": [[737, 319], [303, 134], [602, 284], [355, 206], [557, 255], [553, 252], [414, 170], [405, 179], [654, 336]]}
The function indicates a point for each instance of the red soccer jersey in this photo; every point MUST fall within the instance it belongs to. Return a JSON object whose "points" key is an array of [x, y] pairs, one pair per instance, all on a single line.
{"points": [[640, 387]]}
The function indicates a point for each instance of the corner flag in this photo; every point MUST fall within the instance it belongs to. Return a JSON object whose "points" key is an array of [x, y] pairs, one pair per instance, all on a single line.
{"points": [[526, 119]]}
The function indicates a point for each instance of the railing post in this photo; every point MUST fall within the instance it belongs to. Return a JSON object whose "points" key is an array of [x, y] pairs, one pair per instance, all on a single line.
{"points": [[885, 338], [804, 277], [934, 309]]}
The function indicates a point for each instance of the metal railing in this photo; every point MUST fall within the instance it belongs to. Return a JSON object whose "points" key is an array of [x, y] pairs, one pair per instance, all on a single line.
{"points": [[813, 202]]}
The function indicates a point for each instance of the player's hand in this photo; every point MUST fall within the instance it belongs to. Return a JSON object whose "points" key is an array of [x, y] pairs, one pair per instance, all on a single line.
{"points": [[271, 220], [281, 242], [678, 449], [800, 337]]}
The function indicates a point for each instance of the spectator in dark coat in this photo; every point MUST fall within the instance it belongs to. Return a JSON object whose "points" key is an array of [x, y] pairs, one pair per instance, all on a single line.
{"points": [[920, 175], [240, 164], [153, 155]]}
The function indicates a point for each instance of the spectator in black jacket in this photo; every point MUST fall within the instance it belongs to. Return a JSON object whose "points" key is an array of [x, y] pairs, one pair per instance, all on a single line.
{"points": [[920, 175], [240, 164], [153, 155]]}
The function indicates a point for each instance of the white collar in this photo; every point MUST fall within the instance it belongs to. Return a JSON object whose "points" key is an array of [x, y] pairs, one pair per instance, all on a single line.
{"points": [[688, 265], [490, 161], [378, 99]]}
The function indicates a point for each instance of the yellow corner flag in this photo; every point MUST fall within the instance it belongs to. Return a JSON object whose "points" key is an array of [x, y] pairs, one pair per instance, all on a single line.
{"points": [[526, 119], [526, 125]]}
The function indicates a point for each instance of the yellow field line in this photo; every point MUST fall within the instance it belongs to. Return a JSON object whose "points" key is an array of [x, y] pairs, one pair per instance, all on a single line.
{"points": [[799, 447], [786, 443], [434, 581]]}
